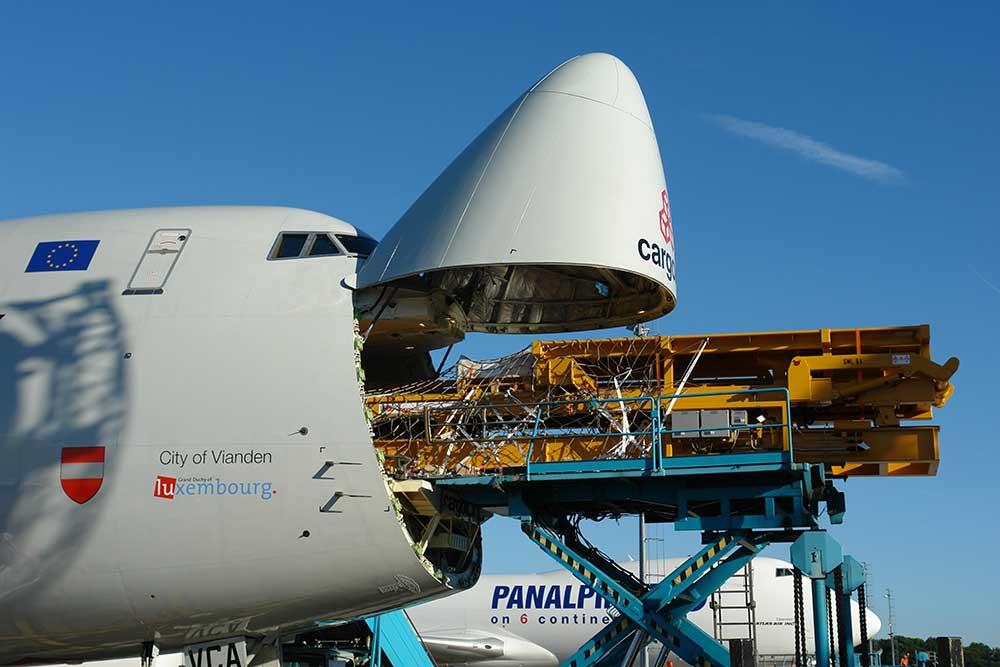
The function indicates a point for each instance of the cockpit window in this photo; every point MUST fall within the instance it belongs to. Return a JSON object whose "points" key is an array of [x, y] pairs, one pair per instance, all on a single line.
{"points": [[293, 245], [361, 246], [323, 245], [783, 572], [289, 245]]}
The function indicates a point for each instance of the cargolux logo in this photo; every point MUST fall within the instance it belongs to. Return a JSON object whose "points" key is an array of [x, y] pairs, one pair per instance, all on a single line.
{"points": [[662, 257], [165, 487], [401, 583], [666, 225]]}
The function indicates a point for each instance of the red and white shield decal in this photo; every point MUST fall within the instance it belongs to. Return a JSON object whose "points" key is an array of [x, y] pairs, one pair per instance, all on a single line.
{"points": [[82, 472]]}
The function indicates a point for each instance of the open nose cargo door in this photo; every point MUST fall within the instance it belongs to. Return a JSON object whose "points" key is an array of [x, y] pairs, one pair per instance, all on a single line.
{"points": [[556, 218]]}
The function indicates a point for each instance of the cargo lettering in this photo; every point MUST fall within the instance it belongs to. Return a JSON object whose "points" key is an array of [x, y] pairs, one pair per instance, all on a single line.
{"points": [[661, 257]]}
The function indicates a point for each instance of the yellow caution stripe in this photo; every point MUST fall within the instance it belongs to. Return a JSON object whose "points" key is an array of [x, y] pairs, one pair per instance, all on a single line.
{"points": [[701, 560]]}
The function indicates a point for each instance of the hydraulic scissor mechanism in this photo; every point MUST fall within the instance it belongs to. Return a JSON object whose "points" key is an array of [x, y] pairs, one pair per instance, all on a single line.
{"points": [[650, 613], [836, 397]]}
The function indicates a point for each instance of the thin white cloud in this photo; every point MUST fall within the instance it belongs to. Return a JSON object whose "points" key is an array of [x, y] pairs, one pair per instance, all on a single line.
{"points": [[809, 148], [988, 283]]}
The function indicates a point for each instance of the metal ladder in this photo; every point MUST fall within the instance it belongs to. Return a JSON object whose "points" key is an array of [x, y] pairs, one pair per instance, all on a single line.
{"points": [[734, 610]]}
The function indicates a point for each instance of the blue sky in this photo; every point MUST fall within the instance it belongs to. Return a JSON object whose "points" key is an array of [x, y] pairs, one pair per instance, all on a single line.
{"points": [[828, 166]]}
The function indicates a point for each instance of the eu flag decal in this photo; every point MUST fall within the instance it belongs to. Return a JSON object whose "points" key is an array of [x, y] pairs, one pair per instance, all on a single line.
{"points": [[62, 256]]}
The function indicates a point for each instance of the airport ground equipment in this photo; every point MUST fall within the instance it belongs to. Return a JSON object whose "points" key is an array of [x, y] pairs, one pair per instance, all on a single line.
{"points": [[384, 640], [949, 652], [737, 436], [394, 637]]}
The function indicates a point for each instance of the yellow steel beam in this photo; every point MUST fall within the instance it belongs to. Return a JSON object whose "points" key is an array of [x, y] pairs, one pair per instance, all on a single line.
{"points": [[851, 452], [895, 369]]}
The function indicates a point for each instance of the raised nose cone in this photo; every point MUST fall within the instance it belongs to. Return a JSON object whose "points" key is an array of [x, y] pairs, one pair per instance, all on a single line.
{"points": [[600, 77], [555, 218]]}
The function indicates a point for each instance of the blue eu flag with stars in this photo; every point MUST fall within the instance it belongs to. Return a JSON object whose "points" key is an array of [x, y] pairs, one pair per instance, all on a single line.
{"points": [[62, 256]]}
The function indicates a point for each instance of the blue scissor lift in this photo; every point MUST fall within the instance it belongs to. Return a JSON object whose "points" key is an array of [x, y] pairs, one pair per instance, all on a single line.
{"points": [[740, 502]]}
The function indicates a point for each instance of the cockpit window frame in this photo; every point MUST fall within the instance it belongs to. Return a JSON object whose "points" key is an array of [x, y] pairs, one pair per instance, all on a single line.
{"points": [[337, 235], [306, 247], [311, 243]]}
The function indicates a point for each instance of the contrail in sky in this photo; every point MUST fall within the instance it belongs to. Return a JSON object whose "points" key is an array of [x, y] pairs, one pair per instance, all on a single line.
{"points": [[988, 283], [810, 148]]}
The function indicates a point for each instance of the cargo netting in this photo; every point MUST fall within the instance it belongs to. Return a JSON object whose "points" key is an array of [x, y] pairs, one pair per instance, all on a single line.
{"points": [[553, 401]]}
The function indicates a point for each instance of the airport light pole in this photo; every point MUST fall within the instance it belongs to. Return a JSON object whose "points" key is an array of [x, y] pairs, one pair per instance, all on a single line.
{"points": [[892, 624]]}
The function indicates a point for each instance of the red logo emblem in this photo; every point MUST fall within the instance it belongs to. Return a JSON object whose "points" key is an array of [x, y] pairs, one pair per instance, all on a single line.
{"points": [[81, 472], [165, 487], [666, 226]]}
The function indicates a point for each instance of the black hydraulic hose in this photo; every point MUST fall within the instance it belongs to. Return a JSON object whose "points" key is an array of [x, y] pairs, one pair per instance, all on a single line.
{"points": [[800, 640], [866, 658], [829, 624]]}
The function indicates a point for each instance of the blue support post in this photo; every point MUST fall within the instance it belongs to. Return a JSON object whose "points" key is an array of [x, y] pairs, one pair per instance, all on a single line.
{"points": [[820, 628], [846, 579], [531, 446], [845, 639], [816, 555], [394, 636], [375, 624], [657, 438]]}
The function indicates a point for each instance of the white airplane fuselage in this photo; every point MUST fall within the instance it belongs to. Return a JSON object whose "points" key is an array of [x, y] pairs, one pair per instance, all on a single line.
{"points": [[189, 461]]}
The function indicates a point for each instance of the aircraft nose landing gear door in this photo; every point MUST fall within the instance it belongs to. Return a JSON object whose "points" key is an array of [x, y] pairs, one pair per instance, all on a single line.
{"points": [[555, 218], [158, 261]]}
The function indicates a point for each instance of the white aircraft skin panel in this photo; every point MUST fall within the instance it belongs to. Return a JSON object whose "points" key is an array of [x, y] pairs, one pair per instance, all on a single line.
{"points": [[562, 630], [600, 77], [234, 357], [593, 76], [559, 149], [398, 252]]}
